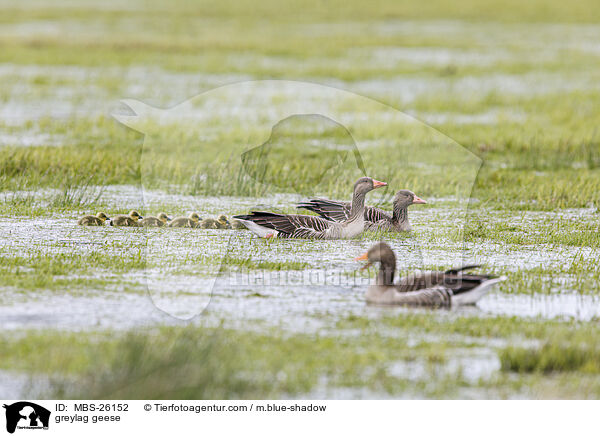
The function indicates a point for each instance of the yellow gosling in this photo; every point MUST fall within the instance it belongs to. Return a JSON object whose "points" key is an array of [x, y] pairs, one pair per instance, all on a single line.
{"points": [[237, 225], [192, 221], [223, 223], [209, 223], [91, 220], [131, 220], [155, 221]]}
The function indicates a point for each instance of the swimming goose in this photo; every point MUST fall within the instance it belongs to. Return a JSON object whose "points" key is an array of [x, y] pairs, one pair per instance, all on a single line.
{"points": [[192, 221], [268, 224], [155, 221], [91, 220], [223, 222], [375, 218], [433, 288], [130, 220]]}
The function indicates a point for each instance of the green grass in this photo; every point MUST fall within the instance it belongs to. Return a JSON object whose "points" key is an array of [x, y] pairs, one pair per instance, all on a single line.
{"points": [[43, 270], [220, 363], [552, 359], [540, 153]]}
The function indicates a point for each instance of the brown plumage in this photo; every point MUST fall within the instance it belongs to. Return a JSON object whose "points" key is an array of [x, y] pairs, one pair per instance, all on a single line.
{"points": [[375, 219], [223, 222], [237, 225], [91, 220], [131, 220], [209, 223], [155, 221], [268, 224], [433, 288], [192, 221]]}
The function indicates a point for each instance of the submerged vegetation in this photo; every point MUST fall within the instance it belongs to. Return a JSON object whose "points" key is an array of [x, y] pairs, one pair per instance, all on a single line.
{"points": [[512, 87]]}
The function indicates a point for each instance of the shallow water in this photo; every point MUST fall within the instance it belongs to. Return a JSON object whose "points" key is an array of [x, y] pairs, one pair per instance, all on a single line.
{"points": [[182, 275]]}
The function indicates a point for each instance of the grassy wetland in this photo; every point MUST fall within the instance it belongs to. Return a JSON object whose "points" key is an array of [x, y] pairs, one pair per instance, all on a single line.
{"points": [[490, 114]]}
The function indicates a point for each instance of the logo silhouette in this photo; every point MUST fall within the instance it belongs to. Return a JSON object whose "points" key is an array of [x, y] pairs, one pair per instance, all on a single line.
{"points": [[284, 160], [26, 415], [293, 137]]}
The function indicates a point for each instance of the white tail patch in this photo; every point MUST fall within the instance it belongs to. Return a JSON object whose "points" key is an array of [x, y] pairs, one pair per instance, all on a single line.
{"points": [[474, 295], [260, 231]]}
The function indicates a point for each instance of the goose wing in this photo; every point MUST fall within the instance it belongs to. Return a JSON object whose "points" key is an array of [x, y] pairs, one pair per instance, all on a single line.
{"points": [[382, 225], [420, 280], [453, 279], [438, 296], [374, 214], [331, 210], [339, 211], [291, 226]]}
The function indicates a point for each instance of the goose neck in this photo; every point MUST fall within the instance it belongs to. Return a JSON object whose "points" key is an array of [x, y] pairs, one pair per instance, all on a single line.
{"points": [[400, 214], [358, 205], [387, 270]]}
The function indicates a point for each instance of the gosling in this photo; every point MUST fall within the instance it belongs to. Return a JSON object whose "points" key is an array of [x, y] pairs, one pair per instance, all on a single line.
{"points": [[209, 223], [157, 221], [91, 220], [237, 225], [130, 220], [223, 223], [192, 221]]}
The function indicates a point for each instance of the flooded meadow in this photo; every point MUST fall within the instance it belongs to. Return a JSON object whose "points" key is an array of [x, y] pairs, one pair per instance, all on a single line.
{"points": [[492, 121]]}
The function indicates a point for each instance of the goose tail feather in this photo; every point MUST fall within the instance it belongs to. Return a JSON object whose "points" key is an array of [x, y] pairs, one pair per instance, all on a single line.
{"points": [[462, 269], [258, 230], [474, 295]]}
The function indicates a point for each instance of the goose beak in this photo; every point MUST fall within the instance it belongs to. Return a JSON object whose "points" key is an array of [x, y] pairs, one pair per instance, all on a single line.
{"points": [[418, 200], [363, 256], [169, 218], [378, 184]]}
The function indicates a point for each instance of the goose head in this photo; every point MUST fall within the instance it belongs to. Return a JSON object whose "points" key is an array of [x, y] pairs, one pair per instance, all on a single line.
{"points": [[163, 217], [223, 221], [378, 253], [366, 184], [135, 215], [102, 216], [194, 217], [381, 253], [405, 198]]}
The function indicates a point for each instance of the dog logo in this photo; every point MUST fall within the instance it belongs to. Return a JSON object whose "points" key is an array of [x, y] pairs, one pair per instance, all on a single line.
{"points": [[26, 415]]}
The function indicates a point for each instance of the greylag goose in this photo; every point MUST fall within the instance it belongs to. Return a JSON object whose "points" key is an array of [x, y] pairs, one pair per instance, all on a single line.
{"points": [[155, 221], [91, 220], [433, 288], [223, 222], [209, 223], [237, 225], [191, 221], [268, 224], [130, 220], [375, 218]]}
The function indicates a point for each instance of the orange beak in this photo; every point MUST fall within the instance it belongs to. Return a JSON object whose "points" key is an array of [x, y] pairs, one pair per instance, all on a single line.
{"points": [[363, 256], [418, 200], [378, 184]]}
